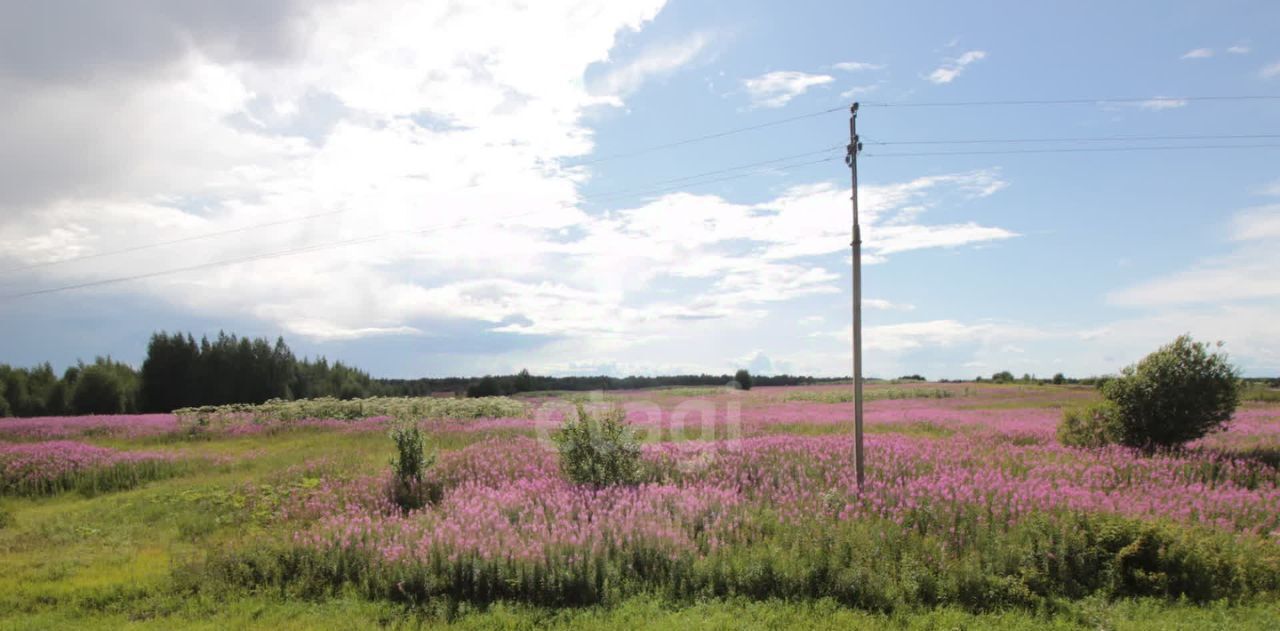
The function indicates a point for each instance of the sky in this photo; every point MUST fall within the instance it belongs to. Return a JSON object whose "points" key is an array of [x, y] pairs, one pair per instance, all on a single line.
{"points": [[432, 189]]}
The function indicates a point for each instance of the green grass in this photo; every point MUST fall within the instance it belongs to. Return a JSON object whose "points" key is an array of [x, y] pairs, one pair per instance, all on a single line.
{"points": [[1260, 394], [69, 550], [96, 480], [348, 613]]}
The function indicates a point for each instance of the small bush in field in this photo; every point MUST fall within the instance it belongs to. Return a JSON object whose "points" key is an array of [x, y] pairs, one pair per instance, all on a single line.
{"points": [[599, 450], [1177, 394], [743, 379], [1092, 425], [408, 467]]}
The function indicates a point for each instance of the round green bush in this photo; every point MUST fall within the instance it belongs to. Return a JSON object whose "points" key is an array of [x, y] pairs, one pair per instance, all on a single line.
{"points": [[1177, 394]]}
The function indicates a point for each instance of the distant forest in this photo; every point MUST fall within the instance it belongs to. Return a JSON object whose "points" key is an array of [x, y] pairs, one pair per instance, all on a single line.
{"points": [[180, 371]]}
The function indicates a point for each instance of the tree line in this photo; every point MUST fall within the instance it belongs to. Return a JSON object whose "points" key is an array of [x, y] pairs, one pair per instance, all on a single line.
{"points": [[180, 371], [104, 387], [499, 385]]}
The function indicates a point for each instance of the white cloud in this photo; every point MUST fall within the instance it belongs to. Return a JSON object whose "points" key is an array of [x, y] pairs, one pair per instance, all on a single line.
{"points": [[885, 305], [912, 335], [857, 66], [1227, 279], [1256, 224], [858, 91], [907, 336], [323, 330], [1161, 103], [758, 363], [1239, 49], [1093, 334], [467, 124], [1198, 53], [1247, 273], [620, 256], [776, 89], [452, 144], [895, 239], [652, 62], [950, 69], [1270, 71], [813, 219], [1249, 331]]}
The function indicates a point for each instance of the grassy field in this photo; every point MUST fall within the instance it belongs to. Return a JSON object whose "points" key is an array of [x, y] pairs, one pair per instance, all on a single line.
{"points": [[972, 518]]}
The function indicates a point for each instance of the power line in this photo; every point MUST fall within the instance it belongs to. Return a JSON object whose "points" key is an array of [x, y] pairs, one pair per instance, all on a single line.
{"points": [[1069, 139], [198, 237], [665, 189], [782, 121], [346, 242], [1072, 101], [696, 139], [840, 108], [148, 246], [1069, 150], [686, 178]]}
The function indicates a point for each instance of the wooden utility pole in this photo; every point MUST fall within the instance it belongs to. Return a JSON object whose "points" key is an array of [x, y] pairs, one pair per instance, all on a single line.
{"points": [[851, 158]]}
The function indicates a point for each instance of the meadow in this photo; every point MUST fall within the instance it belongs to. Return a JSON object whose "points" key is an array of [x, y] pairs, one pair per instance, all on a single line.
{"points": [[747, 515]]}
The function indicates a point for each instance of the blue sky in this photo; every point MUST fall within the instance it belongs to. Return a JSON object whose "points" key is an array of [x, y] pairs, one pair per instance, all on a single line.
{"points": [[469, 141]]}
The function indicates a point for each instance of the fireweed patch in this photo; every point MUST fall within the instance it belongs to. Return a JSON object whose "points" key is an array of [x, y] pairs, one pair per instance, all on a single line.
{"points": [[113, 426], [51, 467], [710, 517]]}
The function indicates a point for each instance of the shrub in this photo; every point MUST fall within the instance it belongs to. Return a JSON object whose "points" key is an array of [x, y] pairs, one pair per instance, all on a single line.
{"points": [[743, 379], [1177, 394], [599, 451], [410, 463], [1092, 425]]}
